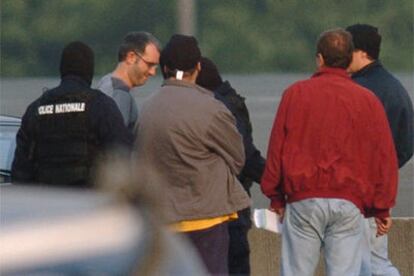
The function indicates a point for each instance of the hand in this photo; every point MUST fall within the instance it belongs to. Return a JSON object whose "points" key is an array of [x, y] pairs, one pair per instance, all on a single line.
{"points": [[280, 212], [383, 225]]}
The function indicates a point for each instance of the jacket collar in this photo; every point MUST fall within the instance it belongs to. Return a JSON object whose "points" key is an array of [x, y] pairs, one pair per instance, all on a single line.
{"points": [[119, 84], [330, 70], [181, 83], [74, 78], [367, 68]]}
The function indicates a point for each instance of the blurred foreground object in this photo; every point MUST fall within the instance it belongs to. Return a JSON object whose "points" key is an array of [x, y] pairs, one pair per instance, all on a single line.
{"points": [[66, 231], [9, 126]]}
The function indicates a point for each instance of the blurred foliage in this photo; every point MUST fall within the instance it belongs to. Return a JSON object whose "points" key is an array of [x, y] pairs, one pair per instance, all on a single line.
{"points": [[242, 36]]}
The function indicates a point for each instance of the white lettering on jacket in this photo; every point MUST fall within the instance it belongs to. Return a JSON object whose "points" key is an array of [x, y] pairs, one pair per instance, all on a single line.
{"points": [[69, 107], [61, 108], [45, 109]]}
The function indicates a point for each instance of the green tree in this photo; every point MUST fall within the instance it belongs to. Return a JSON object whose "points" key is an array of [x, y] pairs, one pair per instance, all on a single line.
{"points": [[240, 35]]}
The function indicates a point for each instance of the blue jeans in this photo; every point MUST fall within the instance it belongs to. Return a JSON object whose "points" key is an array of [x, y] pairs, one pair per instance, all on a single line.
{"points": [[334, 225], [375, 261]]}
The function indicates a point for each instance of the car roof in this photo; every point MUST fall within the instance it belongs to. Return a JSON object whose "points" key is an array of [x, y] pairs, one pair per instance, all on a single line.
{"points": [[67, 231], [9, 120]]}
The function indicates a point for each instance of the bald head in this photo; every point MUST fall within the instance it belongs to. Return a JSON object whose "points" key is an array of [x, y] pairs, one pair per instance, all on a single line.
{"points": [[335, 47]]}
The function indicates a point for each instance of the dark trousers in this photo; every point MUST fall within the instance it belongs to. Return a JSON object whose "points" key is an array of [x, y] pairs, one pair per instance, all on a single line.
{"points": [[239, 250], [213, 246]]}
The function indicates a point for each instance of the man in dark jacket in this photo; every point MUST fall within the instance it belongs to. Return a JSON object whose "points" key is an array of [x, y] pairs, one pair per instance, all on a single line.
{"points": [[210, 79], [368, 71], [64, 130]]}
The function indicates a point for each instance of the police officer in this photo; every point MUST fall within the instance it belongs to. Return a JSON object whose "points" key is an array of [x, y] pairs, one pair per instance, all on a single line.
{"points": [[68, 127]]}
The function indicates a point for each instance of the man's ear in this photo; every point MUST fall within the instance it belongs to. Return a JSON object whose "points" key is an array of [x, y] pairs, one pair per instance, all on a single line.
{"points": [[131, 57], [364, 55], [319, 60]]}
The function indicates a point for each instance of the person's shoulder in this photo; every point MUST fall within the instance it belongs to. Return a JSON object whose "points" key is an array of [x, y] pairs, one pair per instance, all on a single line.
{"points": [[100, 97], [46, 94], [97, 92], [33, 106], [391, 80], [381, 81], [104, 80], [377, 73], [363, 94], [105, 84], [299, 85], [228, 94], [359, 89]]}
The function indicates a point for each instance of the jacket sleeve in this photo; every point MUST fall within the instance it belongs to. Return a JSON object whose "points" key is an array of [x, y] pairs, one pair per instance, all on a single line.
{"points": [[271, 183], [385, 167], [254, 165], [123, 101], [224, 139], [23, 170], [401, 118]]}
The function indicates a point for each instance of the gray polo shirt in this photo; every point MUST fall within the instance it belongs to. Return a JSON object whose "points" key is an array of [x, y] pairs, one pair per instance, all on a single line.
{"points": [[120, 92]]}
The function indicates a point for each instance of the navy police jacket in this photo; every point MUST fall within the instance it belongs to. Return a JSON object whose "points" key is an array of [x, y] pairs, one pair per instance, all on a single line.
{"points": [[64, 131], [254, 165], [397, 104]]}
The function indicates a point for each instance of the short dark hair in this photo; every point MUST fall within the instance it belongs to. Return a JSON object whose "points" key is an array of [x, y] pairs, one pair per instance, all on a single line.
{"points": [[336, 48], [209, 76], [136, 41], [366, 38]]}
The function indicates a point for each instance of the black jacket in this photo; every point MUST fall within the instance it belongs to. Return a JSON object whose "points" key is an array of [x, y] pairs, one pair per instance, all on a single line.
{"points": [[397, 104], [254, 165], [63, 132]]}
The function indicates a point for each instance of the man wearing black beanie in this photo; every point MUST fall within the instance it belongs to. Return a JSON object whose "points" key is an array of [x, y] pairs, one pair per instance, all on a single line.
{"points": [[209, 78], [64, 130], [368, 71], [190, 143]]}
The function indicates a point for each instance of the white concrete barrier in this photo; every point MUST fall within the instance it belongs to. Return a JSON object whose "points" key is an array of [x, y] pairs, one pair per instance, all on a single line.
{"points": [[265, 249]]}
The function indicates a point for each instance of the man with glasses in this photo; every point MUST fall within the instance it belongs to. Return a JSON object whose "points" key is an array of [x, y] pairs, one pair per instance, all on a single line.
{"points": [[138, 58]]}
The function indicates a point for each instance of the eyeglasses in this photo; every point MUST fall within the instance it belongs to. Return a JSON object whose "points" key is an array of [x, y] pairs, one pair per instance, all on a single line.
{"points": [[148, 63]]}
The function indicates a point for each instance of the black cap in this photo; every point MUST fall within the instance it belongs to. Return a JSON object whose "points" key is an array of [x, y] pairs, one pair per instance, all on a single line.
{"points": [[180, 53], [77, 59], [209, 76], [366, 38]]}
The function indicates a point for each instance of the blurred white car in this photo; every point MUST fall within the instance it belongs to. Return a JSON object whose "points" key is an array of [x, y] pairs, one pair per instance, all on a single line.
{"points": [[8, 129], [60, 231]]}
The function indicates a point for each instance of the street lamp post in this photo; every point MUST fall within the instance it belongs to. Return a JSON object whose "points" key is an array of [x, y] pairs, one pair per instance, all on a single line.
{"points": [[186, 17]]}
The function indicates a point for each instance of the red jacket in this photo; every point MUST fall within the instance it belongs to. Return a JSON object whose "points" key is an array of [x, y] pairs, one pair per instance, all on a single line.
{"points": [[331, 139]]}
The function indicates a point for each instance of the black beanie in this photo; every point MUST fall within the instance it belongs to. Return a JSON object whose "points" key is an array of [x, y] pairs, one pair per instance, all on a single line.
{"points": [[209, 76], [366, 38], [77, 59], [180, 53]]}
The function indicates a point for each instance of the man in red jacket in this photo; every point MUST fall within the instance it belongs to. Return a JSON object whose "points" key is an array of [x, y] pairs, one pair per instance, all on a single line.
{"points": [[331, 157]]}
